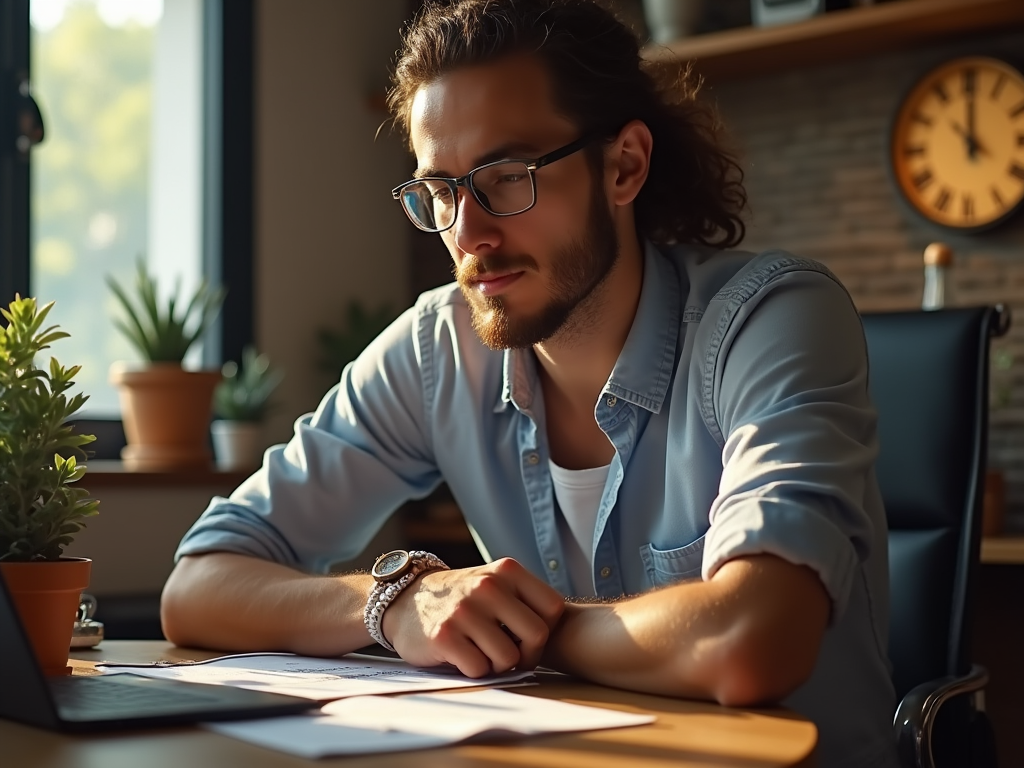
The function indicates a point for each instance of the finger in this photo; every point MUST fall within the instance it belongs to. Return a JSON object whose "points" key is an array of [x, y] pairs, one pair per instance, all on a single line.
{"points": [[541, 598], [501, 650], [527, 627], [464, 654], [545, 601]]}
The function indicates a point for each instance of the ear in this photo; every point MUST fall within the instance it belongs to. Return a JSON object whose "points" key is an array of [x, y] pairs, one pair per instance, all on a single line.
{"points": [[627, 162]]}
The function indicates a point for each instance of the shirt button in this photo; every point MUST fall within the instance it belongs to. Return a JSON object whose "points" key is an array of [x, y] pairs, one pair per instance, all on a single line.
{"points": [[532, 459], [553, 565], [612, 400], [606, 572]]}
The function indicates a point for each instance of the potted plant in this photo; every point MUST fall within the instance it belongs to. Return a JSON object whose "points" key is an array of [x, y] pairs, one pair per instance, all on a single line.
{"points": [[670, 20], [360, 326], [165, 408], [40, 508], [240, 402]]}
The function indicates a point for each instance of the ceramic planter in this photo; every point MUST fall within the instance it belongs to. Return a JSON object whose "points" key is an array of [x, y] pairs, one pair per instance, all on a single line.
{"points": [[766, 13], [237, 444], [166, 412], [46, 596], [669, 20]]}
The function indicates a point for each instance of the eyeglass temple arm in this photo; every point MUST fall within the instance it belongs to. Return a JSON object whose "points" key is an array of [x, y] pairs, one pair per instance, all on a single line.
{"points": [[565, 151]]}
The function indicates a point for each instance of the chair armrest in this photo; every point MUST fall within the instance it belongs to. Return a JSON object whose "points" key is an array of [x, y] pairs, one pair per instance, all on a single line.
{"points": [[916, 714]]}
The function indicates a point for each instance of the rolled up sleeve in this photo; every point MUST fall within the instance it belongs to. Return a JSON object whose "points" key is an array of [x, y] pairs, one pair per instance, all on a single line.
{"points": [[321, 497], [791, 397]]}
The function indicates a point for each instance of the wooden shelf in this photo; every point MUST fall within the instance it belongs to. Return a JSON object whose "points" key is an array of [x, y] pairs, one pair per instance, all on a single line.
{"points": [[112, 474], [753, 51], [1002, 550]]}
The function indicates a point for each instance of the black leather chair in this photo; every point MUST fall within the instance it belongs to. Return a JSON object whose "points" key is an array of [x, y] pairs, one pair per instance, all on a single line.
{"points": [[929, 381]]}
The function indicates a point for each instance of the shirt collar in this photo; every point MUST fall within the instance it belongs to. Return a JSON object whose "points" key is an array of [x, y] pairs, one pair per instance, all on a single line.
{"points": [[645, 366]]}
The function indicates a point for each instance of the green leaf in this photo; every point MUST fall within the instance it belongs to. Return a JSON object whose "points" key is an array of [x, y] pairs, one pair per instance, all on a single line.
{"points": [[159, 332], [39, 510], [244, 392]]}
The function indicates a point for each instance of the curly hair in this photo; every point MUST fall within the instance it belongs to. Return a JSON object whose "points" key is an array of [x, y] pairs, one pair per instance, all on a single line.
{"points": [[694, 190]]}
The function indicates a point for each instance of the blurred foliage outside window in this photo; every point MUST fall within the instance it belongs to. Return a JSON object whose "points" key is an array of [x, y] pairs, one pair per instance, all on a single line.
{"points": [[92, 63]]}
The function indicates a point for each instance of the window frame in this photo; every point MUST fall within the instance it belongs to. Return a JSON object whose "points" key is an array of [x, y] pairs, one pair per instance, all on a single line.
{"points": [[228, 175], [15, 190]]}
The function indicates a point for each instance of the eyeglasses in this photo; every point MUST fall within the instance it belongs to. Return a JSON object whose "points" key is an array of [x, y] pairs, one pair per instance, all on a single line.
{"points": [[503, 188]]}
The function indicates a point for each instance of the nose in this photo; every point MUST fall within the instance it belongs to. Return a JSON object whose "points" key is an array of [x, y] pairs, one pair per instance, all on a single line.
{"points": [[475, 229]]}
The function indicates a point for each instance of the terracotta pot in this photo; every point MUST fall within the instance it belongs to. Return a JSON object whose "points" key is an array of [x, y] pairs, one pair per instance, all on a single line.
{"points": [[166, 412], [46, 596]]}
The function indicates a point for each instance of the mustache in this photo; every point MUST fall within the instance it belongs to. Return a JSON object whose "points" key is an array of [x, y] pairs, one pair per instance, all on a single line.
{"points": [[473, 266]]}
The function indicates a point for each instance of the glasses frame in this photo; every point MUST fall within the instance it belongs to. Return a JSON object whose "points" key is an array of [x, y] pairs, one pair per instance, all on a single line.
{"points": [[466, 181]]}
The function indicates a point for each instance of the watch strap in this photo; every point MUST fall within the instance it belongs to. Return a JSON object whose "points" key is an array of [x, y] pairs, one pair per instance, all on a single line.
{"points": [[385, 592]]}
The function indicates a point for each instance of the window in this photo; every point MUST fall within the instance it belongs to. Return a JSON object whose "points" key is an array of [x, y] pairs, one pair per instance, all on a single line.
{"points": [[111, 176], [136, 97]]}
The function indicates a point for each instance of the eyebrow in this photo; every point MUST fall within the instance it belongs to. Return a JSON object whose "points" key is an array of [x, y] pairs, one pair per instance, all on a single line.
{"points": [[511, 151]]}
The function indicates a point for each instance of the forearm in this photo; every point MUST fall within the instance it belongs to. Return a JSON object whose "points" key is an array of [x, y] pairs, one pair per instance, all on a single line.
{"points": [[749, 635], [233, 602], [663, 642]]}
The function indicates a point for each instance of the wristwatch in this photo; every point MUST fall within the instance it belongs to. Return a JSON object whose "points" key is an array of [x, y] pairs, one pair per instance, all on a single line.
{"points": [[394, 571]]}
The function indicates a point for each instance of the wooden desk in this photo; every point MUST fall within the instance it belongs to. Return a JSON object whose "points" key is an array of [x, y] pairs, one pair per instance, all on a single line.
{"points": [[687, 734]]}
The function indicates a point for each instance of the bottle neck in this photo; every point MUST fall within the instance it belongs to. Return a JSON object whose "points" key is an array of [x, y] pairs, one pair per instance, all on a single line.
{"points": [[936, 287]]}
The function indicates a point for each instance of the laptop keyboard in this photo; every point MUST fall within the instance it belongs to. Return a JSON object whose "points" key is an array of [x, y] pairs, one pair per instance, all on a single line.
{"points": [[109, 695]]}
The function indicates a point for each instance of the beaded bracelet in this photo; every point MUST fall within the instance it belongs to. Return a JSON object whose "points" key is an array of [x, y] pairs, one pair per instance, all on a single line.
{"points": [[384, 593]]}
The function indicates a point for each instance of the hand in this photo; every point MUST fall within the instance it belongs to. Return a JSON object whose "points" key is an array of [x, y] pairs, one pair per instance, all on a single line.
{"points": [[973, 145], [972, 140], [490, 618]]}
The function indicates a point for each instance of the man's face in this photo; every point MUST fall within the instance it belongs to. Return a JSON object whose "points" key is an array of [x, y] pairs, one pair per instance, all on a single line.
{"points": [[531, 276]]}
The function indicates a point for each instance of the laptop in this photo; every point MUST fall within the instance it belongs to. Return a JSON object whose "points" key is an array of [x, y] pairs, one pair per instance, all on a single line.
{"points": [[116, 701]]}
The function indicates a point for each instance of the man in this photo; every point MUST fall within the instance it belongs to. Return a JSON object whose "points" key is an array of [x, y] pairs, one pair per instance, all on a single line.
{"points": [[622, 409]]}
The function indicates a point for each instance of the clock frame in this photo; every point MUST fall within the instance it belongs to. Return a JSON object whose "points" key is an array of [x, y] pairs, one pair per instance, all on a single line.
{"points": [[957, 148]]}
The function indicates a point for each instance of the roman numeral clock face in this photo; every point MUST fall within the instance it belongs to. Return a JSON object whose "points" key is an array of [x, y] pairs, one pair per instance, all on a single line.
{"points": [[958, 144]]}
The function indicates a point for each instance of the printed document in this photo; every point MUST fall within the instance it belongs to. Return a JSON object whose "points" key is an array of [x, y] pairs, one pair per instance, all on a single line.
{"points": [[369, 724], [316, 678]]}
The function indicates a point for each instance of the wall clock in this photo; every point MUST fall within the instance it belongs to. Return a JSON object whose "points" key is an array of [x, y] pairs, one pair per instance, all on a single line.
{"points": [[958, 144]]}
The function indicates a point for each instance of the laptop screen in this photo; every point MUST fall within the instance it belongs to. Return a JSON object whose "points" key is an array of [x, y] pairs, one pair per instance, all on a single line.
{"points": [[24, 694]]}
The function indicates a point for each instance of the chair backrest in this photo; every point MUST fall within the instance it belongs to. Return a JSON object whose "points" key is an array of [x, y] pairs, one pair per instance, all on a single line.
{"points": [[929, 382]]}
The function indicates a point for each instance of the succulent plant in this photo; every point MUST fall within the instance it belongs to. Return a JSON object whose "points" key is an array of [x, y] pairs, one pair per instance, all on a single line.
{"points": [[361, 326], [244, 391], [40, 509], [160, 333]]}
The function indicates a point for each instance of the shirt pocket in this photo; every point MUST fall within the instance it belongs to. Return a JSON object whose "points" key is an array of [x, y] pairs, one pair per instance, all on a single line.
{"points": [[668, 566]]}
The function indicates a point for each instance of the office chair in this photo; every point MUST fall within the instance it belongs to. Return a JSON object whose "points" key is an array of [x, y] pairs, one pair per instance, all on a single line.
{"points": [[929, 382]]}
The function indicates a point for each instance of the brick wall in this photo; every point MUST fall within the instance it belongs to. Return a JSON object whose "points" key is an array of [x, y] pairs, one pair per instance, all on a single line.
{"points": [[814, 146]]}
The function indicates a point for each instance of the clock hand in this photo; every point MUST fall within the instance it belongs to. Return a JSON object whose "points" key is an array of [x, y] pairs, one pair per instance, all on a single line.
{"points": [[972, 141], [973, 145]]}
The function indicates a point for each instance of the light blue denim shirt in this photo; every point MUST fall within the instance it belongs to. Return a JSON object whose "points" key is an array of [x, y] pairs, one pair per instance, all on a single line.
{"points": [[741, 421]]}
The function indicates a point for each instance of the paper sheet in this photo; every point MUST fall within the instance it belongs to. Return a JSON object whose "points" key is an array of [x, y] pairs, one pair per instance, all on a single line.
{"points": [[369, 724], [317, 678]]}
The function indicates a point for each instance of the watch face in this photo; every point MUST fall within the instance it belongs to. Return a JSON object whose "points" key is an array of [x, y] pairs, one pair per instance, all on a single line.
{"points": [[958, 143], [391, 565]]}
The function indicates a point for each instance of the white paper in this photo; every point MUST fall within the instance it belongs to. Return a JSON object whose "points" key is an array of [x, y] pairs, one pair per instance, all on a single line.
{"points": [[317, 678], [369, 724]]}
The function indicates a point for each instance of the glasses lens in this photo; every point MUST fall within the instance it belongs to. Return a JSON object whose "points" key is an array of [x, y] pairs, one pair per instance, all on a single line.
{"points": [[504, 187], [430, 204]]}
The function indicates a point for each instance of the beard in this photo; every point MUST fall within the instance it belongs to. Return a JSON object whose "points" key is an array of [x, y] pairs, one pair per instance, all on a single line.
{"points": [[577, 270]]}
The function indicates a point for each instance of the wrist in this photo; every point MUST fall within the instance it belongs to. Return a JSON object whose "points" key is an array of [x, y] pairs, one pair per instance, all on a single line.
{"points": [[393, 573], [404, 606], [560, 644]]}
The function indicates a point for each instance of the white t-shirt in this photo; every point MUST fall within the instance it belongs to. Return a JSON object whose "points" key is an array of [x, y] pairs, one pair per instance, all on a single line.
{"points": [[578, 493]]}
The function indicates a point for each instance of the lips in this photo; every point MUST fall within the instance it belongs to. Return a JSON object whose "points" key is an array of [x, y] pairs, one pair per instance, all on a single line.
{"points": [[492, 284]]}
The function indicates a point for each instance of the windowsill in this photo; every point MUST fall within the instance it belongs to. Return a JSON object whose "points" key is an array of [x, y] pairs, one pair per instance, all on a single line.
{"points": [[1006, 549], [112, 474]]}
